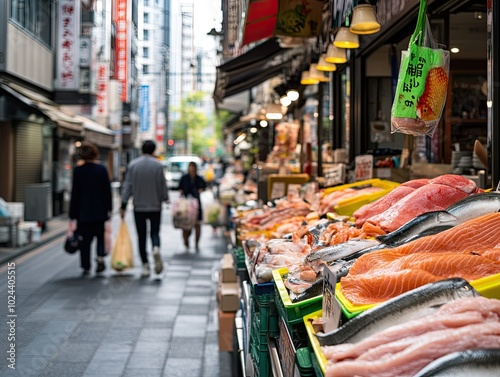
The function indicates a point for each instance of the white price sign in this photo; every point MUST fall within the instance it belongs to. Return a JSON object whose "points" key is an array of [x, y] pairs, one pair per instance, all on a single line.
{"points": [[363, 167], [331, 307]]}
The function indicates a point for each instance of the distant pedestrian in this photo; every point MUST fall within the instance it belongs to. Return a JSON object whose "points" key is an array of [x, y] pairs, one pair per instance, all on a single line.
{"points": [[90, 204], [145, 182], [192, 184]]}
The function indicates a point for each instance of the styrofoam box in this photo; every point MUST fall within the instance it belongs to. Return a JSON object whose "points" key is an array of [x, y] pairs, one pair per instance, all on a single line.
{"points": [[16, 209], [4, 234]]}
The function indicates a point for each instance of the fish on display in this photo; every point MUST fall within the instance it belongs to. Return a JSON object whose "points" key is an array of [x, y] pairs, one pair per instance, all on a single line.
{"points": [[425, 224], [341, 267], [475, 205], [474, 362], [316, 289], [411, 305], [340, 251]]}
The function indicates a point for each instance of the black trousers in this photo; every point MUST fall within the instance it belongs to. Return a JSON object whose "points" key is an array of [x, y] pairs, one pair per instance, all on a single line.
{"points": [[88, 232], [154, 230]]}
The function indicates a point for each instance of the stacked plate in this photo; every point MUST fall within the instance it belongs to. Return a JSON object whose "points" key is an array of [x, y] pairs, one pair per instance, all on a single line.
{"points": [[461, 159]]}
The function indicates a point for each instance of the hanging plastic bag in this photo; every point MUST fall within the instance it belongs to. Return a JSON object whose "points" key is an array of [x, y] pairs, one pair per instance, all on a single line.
{"points": [[122, 256], [185, 213], [108, 242], [422, 83], [214, 214]]}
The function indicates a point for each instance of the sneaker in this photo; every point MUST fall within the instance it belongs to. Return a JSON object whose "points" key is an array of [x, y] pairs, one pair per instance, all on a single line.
{"points": [[158, 261], [100, 265], [145, 270], [85, 272]]}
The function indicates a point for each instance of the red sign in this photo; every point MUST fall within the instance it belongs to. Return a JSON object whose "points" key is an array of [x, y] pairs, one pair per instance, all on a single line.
{"points": [[102, 89], [121, 50]]}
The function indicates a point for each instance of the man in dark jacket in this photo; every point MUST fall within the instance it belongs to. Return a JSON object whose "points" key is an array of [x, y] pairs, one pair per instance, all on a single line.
{"points": [[145, 182], [90, 204]]}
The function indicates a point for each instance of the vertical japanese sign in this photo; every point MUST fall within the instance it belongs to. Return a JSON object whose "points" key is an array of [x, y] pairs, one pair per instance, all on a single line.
{"points": [[144, 108], [121, 49], [102, 89], [68, 33]]}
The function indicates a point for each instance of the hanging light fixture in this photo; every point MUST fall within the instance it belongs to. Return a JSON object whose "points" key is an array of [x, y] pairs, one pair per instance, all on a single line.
{"points": [[285, 100], [323, 65], [306, 79], [274, 111], [346, 39], [314, 73], [263, 123], [293, 94], [335, 55], [364, 20]]}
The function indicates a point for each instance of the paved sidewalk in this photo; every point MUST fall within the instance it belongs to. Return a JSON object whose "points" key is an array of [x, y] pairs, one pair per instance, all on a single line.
{"points": [[117, 324]]}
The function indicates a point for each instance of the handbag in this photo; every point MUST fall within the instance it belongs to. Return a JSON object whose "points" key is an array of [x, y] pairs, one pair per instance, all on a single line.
{"points": [[72, 243]]}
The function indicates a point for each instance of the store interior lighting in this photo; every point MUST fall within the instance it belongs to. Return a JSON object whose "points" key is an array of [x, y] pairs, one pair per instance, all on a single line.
{"points": [[285, 100], [263, 123], [346, 39], [323, 65], [274, 111], [293, 94], [253, 130], [364, 20], [335, 55], [314, 73], [240, 138], [306, 79]]}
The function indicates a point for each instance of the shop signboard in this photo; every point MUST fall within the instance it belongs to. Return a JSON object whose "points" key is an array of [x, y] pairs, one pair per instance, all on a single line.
{"points": [[144, 108], [299, 18], [363, 169], [68, 33]]}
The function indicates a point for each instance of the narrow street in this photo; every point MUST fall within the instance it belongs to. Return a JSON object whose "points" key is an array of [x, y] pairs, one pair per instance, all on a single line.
{"points": [[115, 324]]}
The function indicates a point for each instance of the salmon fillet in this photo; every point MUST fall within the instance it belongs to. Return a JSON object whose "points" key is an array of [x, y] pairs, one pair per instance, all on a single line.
{"points": [[470, 250]]}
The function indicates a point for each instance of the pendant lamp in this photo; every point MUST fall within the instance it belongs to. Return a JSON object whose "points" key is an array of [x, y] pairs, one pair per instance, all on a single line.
{"points": [[314, 73], [346, 39], [323, 65], [335, 55], [306, 79], [293, 94], [364, 20]]}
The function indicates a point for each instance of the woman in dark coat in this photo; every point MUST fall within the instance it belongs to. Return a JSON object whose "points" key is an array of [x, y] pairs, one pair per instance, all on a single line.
{"points": [[191, 184], [90, 204]]}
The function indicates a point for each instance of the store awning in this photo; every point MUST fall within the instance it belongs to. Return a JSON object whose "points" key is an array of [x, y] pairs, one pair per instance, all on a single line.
{"points": [[42, 105], [97, 133], [261, 63], [260, 20]]}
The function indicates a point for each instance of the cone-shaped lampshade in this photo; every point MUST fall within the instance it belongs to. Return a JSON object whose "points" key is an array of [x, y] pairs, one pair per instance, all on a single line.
{"points": [[318, 75], [335, 55], [346, 39], [364, 20], [323, 65], [306, 79]]}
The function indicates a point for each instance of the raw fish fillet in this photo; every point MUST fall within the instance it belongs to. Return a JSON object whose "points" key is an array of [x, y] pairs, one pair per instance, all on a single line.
{"points": [[431, 197], [380, 205], [469, 250], [457, 181]]}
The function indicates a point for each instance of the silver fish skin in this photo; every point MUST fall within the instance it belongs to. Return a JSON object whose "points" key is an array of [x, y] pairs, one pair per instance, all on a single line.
{"points": [[427, 223], [475, 205], [474, 362], [411, 305], [340, 250]]}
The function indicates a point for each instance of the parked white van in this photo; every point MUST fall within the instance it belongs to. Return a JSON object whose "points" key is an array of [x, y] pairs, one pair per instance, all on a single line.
{"points": [[177, 166]]}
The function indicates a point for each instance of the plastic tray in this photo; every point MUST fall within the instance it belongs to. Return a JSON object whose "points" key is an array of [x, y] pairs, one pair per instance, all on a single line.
{"points": [[313, 341], [488, 286], [348, 206], [292, 313]]}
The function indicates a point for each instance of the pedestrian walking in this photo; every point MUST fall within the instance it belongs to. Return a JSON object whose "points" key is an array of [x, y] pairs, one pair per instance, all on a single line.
{"points": [[145, 183], [192, 184], [90, 204]]}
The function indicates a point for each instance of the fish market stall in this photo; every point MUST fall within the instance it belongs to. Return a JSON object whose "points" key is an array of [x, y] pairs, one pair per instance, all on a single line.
{"points": [[423, 235]]}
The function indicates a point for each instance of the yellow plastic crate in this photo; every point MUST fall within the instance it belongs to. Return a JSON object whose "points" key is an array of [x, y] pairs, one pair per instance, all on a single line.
{"points": [[291, 312], [348, 206], [313, 341]]}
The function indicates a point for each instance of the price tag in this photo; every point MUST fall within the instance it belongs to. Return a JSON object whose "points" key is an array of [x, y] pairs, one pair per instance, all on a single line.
{"points": [[293, 191], [278, 190], [331, 307], [335, 176], [286, 350], [363, 167]]}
